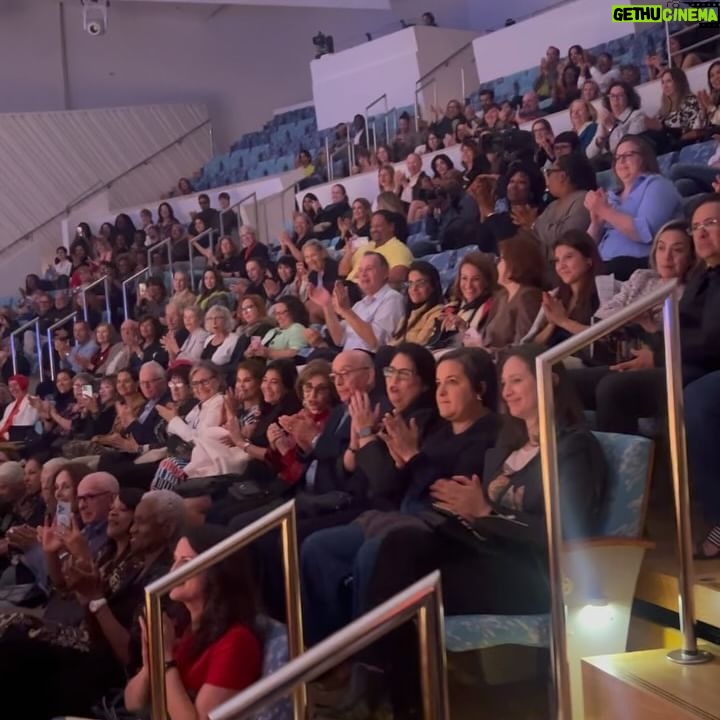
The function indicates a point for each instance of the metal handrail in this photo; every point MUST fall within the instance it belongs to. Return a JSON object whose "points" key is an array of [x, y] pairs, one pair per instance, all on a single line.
{"points": [[443, 63], [38, 344], [367, 120], [329, 157], [669, 35], [155, 248], [99, 186], [125, 283], [105, 280], [72, 316], [689, 654], [422, 600], [238, 205], [282, 517], [210, 232], [418, 90]]}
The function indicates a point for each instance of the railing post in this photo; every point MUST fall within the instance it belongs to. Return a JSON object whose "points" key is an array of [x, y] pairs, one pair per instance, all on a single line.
{"points": [[562, 704], [689, 653], [420, 601], [38, 347], [108, 309], [328, 159], [284, 517], [13, 353], [50, 341]]}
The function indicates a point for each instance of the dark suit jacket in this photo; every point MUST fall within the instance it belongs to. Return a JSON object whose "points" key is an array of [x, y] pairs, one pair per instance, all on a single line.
{"points": [[153, 430]]}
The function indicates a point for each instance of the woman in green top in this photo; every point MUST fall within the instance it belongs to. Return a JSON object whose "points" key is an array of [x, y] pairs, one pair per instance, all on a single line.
{"points": [[288, 337]]}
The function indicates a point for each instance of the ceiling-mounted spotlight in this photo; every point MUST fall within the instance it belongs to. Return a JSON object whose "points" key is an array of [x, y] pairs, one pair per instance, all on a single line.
{"points": [[95, 16]]}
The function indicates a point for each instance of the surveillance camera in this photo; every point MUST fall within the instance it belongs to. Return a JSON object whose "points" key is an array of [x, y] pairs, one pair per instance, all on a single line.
{"points": [[95, 28]]}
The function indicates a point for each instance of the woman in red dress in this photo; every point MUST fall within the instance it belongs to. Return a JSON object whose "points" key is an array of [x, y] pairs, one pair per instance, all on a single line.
{"points": [[220, 653]]}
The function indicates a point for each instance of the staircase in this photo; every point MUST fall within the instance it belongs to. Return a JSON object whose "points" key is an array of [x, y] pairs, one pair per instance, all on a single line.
{"points": [[641, 685]]}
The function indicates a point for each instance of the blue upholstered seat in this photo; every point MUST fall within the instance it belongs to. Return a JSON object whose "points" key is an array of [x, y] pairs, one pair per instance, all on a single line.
{"points": [[275, 655], [629, 461], [666, 161], [697, 154], [442, 261], [460, 253]]}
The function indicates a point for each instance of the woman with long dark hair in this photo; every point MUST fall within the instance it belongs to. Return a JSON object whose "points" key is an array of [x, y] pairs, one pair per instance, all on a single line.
{"points": [[220, 653], [424, 305], [570, 309]]}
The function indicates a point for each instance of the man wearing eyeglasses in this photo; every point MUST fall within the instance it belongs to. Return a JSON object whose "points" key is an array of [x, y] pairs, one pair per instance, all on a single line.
{"points": [[95, 495]]}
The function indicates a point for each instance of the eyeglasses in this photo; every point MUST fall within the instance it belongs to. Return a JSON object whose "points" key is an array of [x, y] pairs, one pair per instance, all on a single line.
{"points": [[550, 170], [626, 156], [91, 496], [203, 382], [705, 225], [617, 96], [417, 284], [248, 308], [310, 389], [402, 374], [279, 312], [176, 384], [336, 376]]}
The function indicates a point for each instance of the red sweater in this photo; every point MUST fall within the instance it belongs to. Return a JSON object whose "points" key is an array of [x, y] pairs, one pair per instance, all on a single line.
{"points": [[234, 661]]}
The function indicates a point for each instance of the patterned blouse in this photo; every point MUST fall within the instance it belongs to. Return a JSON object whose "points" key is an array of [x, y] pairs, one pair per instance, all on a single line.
{"points": [[689, 116]]}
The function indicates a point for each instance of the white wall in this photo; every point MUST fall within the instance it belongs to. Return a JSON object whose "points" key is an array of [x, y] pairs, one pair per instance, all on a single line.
{"points": [[346, 82], [585, 22]]}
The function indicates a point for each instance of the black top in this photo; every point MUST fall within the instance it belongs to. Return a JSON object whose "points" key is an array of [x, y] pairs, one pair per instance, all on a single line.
{"points": [[519, 501], [233, 265], [386, 483], [445, 454], [258, 250]]}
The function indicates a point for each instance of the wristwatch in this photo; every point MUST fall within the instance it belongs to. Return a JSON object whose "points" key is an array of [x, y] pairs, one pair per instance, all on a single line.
{"points": [[95, 605], [365, 432]]}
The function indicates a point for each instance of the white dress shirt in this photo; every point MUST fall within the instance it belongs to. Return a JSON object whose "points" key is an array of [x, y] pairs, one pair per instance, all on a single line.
{"points": [[383, 311]]}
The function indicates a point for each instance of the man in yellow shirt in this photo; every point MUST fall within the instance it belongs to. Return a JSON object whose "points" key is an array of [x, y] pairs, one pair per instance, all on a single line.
{"points": [[383, 242]]}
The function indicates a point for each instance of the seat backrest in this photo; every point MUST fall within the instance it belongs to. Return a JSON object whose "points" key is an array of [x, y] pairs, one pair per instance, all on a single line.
{"points": [[275, 655], [698, 153], [629, 459]]}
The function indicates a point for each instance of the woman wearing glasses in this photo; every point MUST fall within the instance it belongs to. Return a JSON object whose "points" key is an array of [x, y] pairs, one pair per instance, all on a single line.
{"points": [[221, 345], [568, 180], [288, 338], [424, 305], [206, 383], [624, 222], [619, 115], [253, 321]]}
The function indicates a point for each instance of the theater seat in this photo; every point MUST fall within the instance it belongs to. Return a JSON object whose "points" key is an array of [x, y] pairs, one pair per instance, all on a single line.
{"points": [[698, 153], [600, 573], [275, 655]]}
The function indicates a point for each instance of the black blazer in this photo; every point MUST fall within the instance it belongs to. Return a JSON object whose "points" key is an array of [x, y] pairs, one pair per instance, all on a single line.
{"points": [[583, 481], [386, 483], [153, 430]]}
